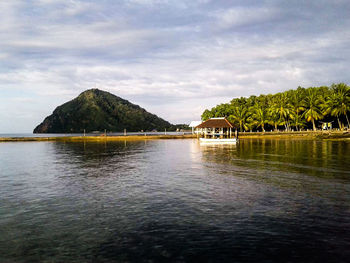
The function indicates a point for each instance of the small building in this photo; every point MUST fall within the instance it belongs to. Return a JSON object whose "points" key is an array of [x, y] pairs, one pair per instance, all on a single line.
{"points": [[193, 125], [326, 125], [215, 128]]}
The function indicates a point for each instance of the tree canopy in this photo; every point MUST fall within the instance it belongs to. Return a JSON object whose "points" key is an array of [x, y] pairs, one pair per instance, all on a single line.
{"points": [[301, 108]]}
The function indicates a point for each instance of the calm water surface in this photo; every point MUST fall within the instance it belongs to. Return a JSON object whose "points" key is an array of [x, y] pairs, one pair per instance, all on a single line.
{"points": [[175, 200], [30, 135]]}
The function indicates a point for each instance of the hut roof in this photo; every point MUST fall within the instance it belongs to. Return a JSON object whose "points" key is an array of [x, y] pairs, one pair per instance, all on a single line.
{"points": [[215, 123]]}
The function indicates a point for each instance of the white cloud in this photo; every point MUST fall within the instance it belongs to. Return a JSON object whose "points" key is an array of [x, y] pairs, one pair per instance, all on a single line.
{"points": [[241, 16], [147, 2], [173, 59]]}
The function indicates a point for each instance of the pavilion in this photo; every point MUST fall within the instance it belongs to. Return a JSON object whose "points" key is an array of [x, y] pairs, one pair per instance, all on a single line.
{"points": [[215, 128]]}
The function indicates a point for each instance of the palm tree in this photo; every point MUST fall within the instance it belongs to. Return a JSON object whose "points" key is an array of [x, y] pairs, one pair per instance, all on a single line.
{"points": [[259, 115], [312, 102], [281, 107], [330, 107], [338, 102], [343, 94], [297, 121], [297, 106], [274, 118], [240, 116]]}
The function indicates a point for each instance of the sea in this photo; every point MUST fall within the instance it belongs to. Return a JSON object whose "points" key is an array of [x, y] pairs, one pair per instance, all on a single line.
{"points": [[31, 135], [259, 200]]}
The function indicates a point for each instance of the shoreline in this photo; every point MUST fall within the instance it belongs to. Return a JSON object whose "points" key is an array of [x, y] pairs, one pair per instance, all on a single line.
{"points": [[306, 135], [95, 138]]}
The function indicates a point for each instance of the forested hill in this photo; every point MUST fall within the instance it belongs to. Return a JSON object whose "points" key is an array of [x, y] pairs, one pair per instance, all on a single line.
{"points": [[97, 110], [303, 108]]}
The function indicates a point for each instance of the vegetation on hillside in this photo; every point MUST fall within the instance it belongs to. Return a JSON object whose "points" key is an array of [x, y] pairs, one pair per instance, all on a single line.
{"points": [[97, 110], [298, 109]]}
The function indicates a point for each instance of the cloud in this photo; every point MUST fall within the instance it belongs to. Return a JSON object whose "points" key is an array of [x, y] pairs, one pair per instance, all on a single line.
{"points": [[244, 16], [174, 58]]}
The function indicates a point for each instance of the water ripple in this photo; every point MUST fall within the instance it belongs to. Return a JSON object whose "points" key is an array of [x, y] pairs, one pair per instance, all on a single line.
{"points": [[175, 200]]}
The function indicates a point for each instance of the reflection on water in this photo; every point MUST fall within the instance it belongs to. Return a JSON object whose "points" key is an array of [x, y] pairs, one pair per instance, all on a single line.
{"points": [[286, 163], [317, 158], [175, 200]]}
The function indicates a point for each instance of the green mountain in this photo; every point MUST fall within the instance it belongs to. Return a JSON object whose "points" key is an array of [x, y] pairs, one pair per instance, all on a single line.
{"points": [[97, 110]]}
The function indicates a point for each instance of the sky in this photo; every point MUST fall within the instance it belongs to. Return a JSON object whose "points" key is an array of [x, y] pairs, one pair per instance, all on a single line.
{"points": [[173, 58]]}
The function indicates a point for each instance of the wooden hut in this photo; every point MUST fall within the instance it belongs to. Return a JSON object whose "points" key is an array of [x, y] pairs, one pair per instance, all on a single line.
{"points": [[216, 128]]}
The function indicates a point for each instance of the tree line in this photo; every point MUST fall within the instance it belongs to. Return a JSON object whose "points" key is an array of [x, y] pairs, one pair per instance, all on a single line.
{"points": [[298, 109]]}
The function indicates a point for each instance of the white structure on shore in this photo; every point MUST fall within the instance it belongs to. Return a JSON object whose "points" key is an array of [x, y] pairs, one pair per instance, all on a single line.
{"points": [[193, 125], [218, 130]]}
